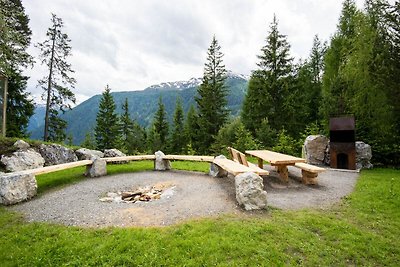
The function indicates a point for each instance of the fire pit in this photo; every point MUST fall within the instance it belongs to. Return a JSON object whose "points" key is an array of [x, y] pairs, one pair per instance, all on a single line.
{"points": [[144, 193]]}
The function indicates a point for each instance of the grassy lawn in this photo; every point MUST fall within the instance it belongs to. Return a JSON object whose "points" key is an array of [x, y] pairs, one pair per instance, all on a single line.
{"points": [[362, 230]]}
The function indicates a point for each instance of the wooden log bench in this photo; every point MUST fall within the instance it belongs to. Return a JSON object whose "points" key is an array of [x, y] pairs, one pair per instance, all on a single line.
{"points": [[130, 158], [59, 167], [236, 168], [241, 158], [309, 173], [190, 158]]}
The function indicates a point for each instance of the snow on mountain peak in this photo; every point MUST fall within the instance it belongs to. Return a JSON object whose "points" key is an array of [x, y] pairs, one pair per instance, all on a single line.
{"points": [[193, 82]]}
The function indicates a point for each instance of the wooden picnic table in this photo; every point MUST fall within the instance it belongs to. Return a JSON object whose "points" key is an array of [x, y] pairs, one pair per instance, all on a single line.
{"points": [[279, 160]]}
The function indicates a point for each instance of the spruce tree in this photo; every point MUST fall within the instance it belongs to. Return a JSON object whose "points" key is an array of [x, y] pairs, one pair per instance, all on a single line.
{"points": [[178, 137], [126, 125], [211, 98], [335, 89], [54, 52], [15, 38], [107, 131], [160, 127], [269, 86], [191, 129]]}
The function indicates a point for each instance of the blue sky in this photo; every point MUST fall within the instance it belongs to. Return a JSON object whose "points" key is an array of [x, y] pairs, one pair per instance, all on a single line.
{"points": [[132, 44]]}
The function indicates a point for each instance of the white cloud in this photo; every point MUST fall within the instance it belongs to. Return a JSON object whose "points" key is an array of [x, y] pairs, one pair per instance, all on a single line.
{"points": [[133, 44]]}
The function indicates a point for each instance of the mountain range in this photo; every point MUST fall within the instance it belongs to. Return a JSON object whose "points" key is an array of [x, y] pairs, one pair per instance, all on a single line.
{"points": [[142, 105]]}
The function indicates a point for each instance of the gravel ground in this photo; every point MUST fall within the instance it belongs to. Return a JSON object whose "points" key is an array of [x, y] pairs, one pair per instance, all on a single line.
{"points": [[191, 195]]}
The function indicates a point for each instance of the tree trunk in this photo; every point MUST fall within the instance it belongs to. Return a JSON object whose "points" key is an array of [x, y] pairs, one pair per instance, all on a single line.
{"points": [[46, 118]]}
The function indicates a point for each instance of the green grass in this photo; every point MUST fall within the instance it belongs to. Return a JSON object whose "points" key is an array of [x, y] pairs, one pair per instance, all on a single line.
{"points": [[363, 230]]}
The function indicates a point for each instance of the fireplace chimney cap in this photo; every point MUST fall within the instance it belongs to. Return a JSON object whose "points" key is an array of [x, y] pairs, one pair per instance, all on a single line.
{"points": [[342, 124]]}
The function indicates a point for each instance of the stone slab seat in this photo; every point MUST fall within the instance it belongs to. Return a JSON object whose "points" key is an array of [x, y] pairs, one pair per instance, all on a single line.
{"points": [[309, 172], [236, 168]]}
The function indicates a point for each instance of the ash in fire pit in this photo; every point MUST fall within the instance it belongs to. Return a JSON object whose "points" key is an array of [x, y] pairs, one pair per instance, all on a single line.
{"points": [[145, 194]]}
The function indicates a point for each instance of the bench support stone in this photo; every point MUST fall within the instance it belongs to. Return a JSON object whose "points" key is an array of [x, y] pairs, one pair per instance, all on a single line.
{"points": [[97, 169], [161, 164], [17, 187], [309, 178], [216, 171], [249, 191]]}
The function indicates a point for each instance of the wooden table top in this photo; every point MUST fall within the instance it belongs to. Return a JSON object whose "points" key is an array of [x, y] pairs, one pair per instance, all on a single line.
{"points": [[274, 157]]}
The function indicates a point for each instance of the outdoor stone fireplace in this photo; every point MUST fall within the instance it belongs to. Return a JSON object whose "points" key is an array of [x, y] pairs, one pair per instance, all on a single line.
{"points": [[342, 143]]}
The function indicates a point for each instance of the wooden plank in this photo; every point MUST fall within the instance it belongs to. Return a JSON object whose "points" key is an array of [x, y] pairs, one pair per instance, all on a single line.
{"points": [[59, 167], [309, 167], [258, 169], [236, 168], [274, 157], [189, 158], [131, 158]]}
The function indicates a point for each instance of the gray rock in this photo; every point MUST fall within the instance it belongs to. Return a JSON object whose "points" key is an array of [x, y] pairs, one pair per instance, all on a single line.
{"points": [[22, 160], [216, 171], [249, 191], [21, 145], [17, 187], [88, 154], [97, 169], [314, 149], [327, 159], [56, 154], [363, 155], [160, 163], [110, 153]]}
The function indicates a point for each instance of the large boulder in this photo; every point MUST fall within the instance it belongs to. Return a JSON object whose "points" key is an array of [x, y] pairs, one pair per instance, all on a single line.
{"points": [[249, 191], [216, 171], [111, 153], [88, 154], [160, 163], [21, 145], [22, 160], [363, 155], [56, 154], [17, 187], [314, 149]]}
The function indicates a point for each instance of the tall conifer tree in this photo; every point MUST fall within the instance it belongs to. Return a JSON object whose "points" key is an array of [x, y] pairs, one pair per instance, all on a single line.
{"points": [[54, 52], [15, 38], [178, 137], [160, 128], [211, 99], [107, 131], [269, 86]]}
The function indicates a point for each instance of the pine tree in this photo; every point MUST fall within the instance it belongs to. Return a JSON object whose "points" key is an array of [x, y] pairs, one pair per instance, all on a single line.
{"points": [[211, 99], [89, 141], [15, 38], [107, 131], [126, 125], [160, 127], [269, 86], [54, 52], [335, 89], [178, 137], [191, 129]]}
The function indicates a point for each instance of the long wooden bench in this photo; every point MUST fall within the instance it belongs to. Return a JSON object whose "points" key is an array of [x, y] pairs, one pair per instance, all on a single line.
{"points": [[58, 167], [236, 168], [130, 158], [309, 172], [190, 158], [241, 158]]}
